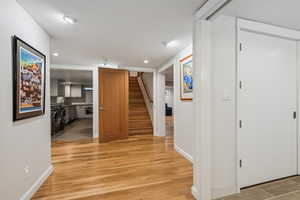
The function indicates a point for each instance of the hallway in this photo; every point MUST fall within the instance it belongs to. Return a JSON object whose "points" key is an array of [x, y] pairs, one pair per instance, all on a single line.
{"points": [[139, 168]]}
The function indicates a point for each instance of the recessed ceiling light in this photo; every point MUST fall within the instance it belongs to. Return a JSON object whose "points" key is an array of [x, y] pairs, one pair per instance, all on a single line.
{"points": [[146, 61], [69, 20], [172, 43], [169, 44], [55, 54]]}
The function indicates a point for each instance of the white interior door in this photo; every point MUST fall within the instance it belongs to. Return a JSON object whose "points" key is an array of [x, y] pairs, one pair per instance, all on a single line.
{"points": [[267, 102]]}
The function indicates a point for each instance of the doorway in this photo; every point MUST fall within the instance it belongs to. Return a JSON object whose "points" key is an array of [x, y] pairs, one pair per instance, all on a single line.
{"points": [[71, 105], [267, 126], [168, 104]]}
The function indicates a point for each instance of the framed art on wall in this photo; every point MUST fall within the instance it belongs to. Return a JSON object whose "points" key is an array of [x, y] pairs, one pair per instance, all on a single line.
{"points": [[186, 78], [29, 68]]}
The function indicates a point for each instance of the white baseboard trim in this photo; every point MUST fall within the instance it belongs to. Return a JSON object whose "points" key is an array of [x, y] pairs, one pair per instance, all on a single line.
{"points": [[195, 192], [34, 188], [184, 154]]}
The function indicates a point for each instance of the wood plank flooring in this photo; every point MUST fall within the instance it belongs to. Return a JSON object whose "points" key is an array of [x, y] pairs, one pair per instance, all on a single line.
{"points": [[139, 168]]}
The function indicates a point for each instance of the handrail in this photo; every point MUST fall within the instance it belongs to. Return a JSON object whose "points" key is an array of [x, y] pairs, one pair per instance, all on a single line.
{"points": [[146, 96], [146, 87]]}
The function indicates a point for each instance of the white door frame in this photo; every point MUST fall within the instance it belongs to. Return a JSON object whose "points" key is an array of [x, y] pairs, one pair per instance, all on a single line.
{"points": [[160, 99], [155, 94], [95, 78], [265, 29]]}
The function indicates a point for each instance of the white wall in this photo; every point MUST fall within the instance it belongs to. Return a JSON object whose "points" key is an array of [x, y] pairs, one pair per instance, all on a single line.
{"points": [[223, 62], [159, 116], [27, 142], [169, 95], [148, 81], [133, 74], [183, 110]]}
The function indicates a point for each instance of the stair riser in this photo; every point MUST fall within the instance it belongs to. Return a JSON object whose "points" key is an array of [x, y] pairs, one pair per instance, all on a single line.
{"points": [[140, 124], [133, 113], [139, 120]]}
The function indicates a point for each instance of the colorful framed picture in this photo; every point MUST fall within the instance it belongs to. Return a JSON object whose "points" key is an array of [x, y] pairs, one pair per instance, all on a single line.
{"points": [[186, 78], [29, 68]]}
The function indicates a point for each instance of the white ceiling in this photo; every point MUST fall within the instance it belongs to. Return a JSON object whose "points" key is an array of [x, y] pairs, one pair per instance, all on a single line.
{"points": [[126, 32], [79, 76], [284, 13]]}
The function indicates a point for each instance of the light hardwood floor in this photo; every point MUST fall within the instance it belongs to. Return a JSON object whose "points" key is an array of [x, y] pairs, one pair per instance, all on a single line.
{"points": [[139, 168]]}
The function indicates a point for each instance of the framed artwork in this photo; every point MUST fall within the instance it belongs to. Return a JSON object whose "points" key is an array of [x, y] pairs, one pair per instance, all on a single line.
{"points": [[29, 68], [186, 78]]}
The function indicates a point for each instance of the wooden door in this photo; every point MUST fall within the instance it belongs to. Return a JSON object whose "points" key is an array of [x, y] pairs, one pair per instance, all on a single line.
{"points": [[113, 104]]}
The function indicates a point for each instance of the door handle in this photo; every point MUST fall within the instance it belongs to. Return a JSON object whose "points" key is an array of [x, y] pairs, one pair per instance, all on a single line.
{"points": [[101, 108]]}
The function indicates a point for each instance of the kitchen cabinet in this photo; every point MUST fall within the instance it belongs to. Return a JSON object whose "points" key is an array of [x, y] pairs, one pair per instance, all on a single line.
{"points": [[82, 111], [67, 90], [60, 90], [71, 113], [73, 91], [54, 87], [76, 91]]}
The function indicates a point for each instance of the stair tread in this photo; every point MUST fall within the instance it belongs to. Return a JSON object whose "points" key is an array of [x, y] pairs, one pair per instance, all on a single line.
{"points": [[139, 120]]}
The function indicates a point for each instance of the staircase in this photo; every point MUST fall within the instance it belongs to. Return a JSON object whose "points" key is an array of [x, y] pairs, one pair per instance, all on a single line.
{"points": [[139, 120]]}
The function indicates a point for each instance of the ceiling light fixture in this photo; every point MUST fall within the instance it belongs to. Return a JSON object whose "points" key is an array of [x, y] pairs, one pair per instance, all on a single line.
{"points": [[69, 20], [170, 44], [55, 54], [146, 61]]}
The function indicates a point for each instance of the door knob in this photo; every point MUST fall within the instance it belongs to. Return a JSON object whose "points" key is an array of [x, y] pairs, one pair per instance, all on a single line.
{"points": [[101, 108]]}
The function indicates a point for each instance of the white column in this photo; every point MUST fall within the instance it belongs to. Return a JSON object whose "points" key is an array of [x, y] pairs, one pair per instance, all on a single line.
{"points": [[159, 105], [95, 102], [202, 100]]}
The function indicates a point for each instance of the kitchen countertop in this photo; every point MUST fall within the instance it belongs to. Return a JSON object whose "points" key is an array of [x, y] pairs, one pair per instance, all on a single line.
{"points": [[73, 104], [82, 104]]}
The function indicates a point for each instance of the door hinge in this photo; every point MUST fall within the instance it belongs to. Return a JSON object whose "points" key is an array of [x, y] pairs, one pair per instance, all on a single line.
{"points": [[241, 124], [241, 85], [241, 163], [295, 115], [241, 47]]}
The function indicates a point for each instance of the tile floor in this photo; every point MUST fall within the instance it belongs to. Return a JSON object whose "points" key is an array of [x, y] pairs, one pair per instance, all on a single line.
{"points": [[77, 130], [287, 189]]}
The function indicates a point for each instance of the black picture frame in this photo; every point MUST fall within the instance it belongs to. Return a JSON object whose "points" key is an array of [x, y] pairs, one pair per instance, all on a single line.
{"points": [[29, 80]]}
